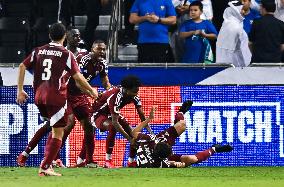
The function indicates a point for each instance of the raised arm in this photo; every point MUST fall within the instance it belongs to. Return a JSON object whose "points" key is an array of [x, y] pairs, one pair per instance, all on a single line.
{"points": [[143, 124]]}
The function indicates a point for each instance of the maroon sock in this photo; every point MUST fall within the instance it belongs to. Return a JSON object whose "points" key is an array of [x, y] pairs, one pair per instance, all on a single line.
{"points": [[65, 135], [83, 150], [89, 146], [110, 141], [132, 152], [204, 155], [179, 116], [36, 138], [47, 142], [50, 153]]}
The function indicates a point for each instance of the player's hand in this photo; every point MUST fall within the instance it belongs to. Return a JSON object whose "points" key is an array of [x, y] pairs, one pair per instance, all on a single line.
{"points": [[152, 112], [179, 164], [22, 97], [94, 93]]}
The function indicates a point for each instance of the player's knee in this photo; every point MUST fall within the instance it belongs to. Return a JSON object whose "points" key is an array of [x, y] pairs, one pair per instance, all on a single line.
{"points": [[180, 126], [189, 159]]}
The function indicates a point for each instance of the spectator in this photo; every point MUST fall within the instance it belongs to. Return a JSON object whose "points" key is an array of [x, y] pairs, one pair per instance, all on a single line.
{"points": [[196, 33], [267, 35], [249, 14], [232, 41], [218, 8], [279, 13], [177, 43], [207, 10], [153, 20], [1, 80]]}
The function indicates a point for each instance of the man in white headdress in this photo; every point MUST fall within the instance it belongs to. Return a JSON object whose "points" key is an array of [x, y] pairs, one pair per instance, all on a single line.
{"points": [[232, 41]]}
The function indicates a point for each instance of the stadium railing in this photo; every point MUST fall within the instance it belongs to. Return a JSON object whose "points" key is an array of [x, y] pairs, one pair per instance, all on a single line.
{"points": [[114, 26], [268, 64]]}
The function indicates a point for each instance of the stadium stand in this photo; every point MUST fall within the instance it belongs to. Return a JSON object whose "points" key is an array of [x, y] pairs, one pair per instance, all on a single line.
{"points": [[14, 37]]}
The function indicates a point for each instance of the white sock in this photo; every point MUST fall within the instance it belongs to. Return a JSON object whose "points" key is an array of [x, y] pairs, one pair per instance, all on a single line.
{"points": [[131, 159], [25, 154], [79, 160], [108, 156]]}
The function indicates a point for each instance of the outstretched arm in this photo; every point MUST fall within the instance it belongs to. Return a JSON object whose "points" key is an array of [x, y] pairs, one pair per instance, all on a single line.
{"points": [[21, 94], [142, 118], [143, 124]]}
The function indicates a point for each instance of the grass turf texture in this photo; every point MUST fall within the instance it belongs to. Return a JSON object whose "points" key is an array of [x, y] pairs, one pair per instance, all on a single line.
{"points": [[123, 177]]}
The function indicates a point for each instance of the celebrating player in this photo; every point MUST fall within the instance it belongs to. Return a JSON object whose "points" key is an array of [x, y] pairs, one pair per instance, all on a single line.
{"points": [[52, 64], [107, 116], [156, 151], [92, 64]]}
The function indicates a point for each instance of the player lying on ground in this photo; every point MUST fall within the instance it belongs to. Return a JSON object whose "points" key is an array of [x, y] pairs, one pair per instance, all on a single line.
{"points": [[156, 151]]}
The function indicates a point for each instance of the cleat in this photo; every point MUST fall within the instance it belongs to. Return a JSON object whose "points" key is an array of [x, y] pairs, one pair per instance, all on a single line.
{"points": [[48, 172], [185, 106], [222, 148], [21, 160], [132, 164], [92, 165], [81, 165], [58, 164], [109, 164]]}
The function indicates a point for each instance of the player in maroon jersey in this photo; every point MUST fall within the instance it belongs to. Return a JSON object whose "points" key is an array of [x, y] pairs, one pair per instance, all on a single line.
{"points": [[91, 64], [51, 65], [73, 39], [107, 116], [156, 151]]}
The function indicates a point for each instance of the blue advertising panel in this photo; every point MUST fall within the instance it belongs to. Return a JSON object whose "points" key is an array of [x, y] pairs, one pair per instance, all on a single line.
{"points": [[247, 117]]}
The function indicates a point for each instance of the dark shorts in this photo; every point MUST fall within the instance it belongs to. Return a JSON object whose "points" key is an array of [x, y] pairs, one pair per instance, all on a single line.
{"points": [[58, 115], [81, 106], [169, 135], [102, 118]]}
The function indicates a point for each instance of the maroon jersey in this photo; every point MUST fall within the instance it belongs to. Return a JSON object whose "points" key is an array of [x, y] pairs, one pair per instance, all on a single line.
{"points": [[89, 69], [50, 65], [112, 101], [145, 152]]}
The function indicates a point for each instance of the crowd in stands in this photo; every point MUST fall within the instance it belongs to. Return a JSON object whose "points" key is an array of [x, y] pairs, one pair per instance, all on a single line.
{"points": [[195, 29], [186, 31]]}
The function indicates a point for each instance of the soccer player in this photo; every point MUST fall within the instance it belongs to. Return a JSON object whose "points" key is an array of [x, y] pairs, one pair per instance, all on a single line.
{"points": [[52, 64], [107, 117], [156, 151], [92, 64]]}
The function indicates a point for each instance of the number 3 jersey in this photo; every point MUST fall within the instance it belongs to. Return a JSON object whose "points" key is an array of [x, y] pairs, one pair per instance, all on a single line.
{"points": [[145, 156], [51, 64]]}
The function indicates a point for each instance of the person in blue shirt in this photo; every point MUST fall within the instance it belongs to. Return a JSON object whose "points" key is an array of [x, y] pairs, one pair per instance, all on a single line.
{"points": [[153, 18], [196, 32], [249, 15]]}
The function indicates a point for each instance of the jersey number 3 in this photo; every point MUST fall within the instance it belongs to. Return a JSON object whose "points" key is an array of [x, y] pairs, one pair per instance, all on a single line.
{"points": [[45, 76]]}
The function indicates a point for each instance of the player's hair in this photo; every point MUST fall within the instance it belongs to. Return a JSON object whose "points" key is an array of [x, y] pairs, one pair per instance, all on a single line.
{"points": [[98, 42], [57, 31], [129, 82], [162, 150], [268, 5], [197, 3]]}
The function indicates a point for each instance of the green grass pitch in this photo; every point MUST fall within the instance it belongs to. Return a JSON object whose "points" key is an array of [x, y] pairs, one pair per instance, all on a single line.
{"points": [[124, 177]]}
